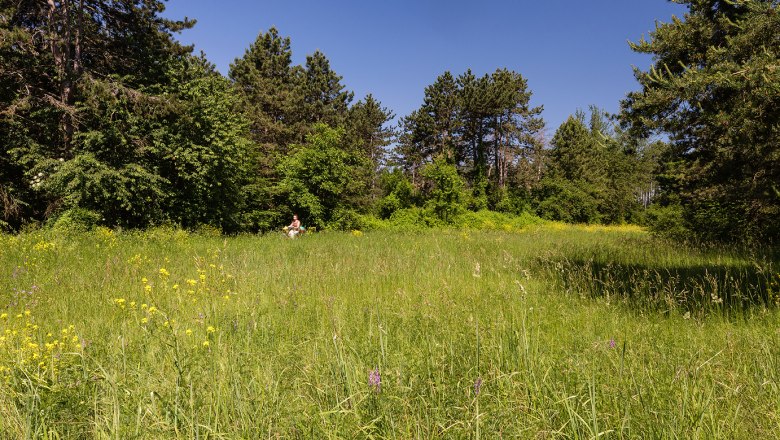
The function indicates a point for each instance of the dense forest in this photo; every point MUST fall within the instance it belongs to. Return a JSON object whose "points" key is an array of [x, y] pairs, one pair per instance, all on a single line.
{"points": [[105, 119]]}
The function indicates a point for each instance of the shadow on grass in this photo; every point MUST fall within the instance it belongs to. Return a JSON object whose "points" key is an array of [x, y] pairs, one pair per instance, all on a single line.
{"points": [[699, 289]]}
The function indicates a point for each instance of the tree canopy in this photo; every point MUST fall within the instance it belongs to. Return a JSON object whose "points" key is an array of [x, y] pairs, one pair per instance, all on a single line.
{"points": [[105, 119], [713, 89]]}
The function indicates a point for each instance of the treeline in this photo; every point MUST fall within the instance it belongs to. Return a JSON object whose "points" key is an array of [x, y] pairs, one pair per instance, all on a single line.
{"points": [[106, 119]]}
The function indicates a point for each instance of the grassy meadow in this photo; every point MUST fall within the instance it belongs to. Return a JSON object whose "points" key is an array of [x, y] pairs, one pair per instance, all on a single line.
{"points": [[548, 332]]}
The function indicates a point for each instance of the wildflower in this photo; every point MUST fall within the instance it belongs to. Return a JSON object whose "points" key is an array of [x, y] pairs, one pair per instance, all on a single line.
{"points": [[144, 306], [206, 344], [175, 287], [188, 332], [144, 280], [477, 386], [163, 272], [4, 316], [192, 282], [612, 343], [152, 309], [210, 329], [26, 313], [148, 288], [375, 379], [144, 320]]}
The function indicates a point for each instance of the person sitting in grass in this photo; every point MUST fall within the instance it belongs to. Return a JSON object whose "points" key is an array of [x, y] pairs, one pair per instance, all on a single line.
{"points": [[295, 227]]}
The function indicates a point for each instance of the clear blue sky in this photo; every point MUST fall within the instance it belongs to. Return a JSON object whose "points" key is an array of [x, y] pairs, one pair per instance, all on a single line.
{"points": [[573, 53]]}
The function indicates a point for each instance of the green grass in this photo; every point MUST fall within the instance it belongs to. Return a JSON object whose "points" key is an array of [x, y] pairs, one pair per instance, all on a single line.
{"points": [[574, 332]]}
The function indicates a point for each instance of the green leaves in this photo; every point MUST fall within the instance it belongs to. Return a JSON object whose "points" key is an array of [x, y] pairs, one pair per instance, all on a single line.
{"points": [[714, 91]]}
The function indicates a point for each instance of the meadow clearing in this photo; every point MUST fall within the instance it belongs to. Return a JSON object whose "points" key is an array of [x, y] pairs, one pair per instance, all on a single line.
{"points": [[548, 332]]}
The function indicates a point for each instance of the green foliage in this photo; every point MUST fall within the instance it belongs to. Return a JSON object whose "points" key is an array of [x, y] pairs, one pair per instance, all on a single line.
{"points": [[400, 193], [566, 201], [483, 126], [317, 178], [444, 195], [77, 220], [668, 221], [713, 91]]}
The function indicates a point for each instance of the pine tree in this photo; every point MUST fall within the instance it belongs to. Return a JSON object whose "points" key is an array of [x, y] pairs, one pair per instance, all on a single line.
{"points": [[713, 90], [324, 97]]}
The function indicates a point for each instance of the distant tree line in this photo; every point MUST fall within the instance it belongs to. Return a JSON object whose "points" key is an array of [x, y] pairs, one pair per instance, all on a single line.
{"points": [[106, 120]]}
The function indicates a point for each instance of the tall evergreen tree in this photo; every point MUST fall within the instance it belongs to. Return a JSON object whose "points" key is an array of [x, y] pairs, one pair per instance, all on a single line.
{"points": [[713, 91], [271, 90], [325, 99], [369, 134]]}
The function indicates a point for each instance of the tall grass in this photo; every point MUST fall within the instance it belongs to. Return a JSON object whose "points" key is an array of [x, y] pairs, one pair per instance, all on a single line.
{"points": [[554, 332]]}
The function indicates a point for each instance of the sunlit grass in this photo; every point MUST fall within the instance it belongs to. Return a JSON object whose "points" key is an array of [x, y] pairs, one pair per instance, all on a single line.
{"points": [[552, 332]]}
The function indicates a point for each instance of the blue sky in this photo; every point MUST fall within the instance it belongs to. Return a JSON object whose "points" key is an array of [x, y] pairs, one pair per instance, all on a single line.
{"points": [[573, 53]]}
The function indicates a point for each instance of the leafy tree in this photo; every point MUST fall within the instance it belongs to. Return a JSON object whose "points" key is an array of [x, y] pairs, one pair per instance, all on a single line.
{"points": [[713, 90], [444, 189], [317, 178], [60, 59]]}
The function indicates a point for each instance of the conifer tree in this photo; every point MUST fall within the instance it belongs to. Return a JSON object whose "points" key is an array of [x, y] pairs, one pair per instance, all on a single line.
{"points": [[713, 90]]}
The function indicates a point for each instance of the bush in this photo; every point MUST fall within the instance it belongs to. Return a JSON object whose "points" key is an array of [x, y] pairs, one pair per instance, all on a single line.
{"points": [[77, 220], [667, 221], [565, 201]]}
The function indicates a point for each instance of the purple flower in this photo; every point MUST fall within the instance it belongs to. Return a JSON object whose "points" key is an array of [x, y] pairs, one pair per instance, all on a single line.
{"points": [[477, 386], [375, 379], [612, 343]]}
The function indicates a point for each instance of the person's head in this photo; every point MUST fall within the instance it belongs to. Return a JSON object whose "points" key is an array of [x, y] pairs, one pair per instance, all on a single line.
{"points": [[295, 216]]}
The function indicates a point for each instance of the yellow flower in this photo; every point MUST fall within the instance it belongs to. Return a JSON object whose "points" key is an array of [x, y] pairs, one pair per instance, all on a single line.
{"points": [[143, 306], [148, 288], [163, 272], [144, 320], [205, 343], [188, 332], [4, 316], [144, 280], [175, 287], [192, 282], [210, 329], [152, 309]]}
